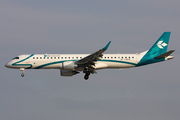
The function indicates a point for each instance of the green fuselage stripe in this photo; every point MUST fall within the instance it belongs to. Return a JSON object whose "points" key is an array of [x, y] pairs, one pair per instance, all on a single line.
{"points": [[52, 63], [117, 61], [57, 62], [30, 65]]}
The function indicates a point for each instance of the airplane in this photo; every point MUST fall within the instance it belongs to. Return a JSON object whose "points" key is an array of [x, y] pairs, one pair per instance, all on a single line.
{"points": [[72, 64]]}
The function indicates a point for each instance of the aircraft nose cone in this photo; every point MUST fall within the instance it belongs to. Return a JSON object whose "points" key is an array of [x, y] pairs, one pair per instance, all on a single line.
{"points": [[7, 65]]}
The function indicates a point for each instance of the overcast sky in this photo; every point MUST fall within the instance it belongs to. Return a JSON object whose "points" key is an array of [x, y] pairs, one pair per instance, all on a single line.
{"points": [[77, 26]]}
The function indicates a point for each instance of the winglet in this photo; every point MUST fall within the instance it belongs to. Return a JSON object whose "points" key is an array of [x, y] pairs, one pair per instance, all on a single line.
{"points": [[106, 47]]}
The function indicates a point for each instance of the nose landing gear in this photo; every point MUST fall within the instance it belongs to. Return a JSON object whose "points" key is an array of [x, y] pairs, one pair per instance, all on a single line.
{"points": [[22, 69]]}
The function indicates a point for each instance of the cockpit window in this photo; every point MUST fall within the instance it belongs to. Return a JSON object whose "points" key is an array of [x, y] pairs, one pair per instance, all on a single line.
{"points": [[16, 58]]}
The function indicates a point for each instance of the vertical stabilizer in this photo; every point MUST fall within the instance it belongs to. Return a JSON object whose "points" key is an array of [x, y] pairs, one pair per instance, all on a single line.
{"points": [[159, 48]]}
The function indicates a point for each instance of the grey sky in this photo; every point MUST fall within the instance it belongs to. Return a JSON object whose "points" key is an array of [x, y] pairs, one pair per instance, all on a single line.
{"points": [[150, 92]]}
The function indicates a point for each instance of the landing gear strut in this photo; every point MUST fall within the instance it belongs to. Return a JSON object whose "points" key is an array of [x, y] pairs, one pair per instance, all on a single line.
{"points": [[22, 69]]}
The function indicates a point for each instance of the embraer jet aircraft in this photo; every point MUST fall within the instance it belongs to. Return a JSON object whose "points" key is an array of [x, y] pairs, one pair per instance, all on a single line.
{"points": [[71, 64]]}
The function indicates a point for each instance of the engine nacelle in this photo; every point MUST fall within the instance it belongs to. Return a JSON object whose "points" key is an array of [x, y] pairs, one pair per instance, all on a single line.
{"points": [[68, 73], [69, 65]]}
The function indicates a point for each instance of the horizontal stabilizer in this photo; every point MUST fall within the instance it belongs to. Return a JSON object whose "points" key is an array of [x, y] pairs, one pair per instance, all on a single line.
{"points": [[165, 54]]}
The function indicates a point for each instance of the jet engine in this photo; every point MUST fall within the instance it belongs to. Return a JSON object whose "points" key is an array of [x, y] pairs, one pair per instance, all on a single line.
{"points": [[68, 73], [69, 65]]}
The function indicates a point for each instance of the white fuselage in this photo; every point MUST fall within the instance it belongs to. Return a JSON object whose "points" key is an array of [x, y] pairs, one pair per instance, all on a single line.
{"points": [[54, 61]]}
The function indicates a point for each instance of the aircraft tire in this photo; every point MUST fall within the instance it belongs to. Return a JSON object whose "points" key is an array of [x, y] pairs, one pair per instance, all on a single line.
{"points": [[22, 75], [86, 77]]}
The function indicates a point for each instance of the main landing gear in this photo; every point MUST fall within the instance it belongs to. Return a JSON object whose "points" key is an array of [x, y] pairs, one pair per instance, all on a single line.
{"points": [[22, 69], [87, 75], [88, 69]]}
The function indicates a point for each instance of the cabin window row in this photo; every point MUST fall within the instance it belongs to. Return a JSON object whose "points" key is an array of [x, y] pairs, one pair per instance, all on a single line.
{"points": [[78, 57], [117, 57], [56, 57]]}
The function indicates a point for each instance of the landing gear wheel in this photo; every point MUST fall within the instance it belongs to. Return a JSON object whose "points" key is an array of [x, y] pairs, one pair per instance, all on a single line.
{"points": [[22, 75], [86, 77], [22, 69]]}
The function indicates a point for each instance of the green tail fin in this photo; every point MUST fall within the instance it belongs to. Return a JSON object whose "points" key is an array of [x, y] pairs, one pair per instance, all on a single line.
{"points": [[160, 46]]}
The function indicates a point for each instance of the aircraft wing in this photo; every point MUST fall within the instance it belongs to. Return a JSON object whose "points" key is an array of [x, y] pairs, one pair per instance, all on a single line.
{"points": [[90, 59]]}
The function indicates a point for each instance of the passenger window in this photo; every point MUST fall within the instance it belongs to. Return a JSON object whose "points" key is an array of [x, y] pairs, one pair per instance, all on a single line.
{"points": [[61, 57], [44, 57], [65, 57], [37, 58], [40, 57], [76, 57], [54, 57], [69, 57], [47, 57], [33, 57]]}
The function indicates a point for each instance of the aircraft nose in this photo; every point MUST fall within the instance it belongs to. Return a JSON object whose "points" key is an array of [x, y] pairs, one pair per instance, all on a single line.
{"points": [[7, 64]]}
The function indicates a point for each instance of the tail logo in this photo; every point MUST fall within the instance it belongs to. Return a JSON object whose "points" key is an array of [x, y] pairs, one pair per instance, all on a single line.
{"points": [[161, 45]]}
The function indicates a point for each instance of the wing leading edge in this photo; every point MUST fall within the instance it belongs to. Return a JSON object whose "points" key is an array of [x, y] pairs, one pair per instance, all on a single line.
{"points": [[90, 59]]}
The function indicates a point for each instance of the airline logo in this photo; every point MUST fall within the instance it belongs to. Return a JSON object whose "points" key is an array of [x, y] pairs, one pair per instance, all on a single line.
{"points": [[161, 45]]}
